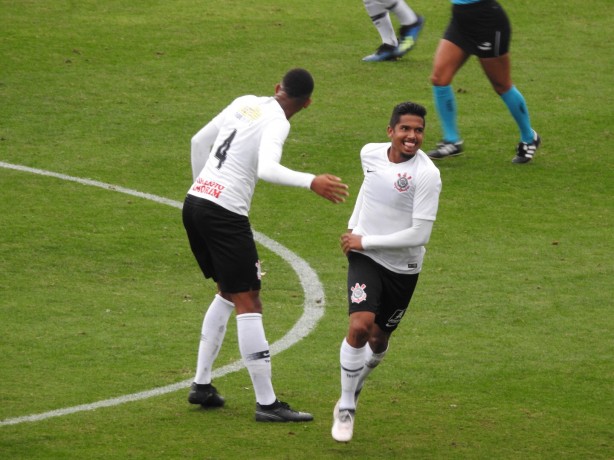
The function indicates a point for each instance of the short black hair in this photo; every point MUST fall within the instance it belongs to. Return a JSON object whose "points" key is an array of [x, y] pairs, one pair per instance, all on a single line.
{"points": [[298, 83], [407, 108]]}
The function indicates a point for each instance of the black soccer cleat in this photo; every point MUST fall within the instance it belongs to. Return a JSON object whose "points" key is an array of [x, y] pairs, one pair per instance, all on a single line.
{"points": [[385, 52], [205, 394], [526, 151], [280, 412], [445, 150]]}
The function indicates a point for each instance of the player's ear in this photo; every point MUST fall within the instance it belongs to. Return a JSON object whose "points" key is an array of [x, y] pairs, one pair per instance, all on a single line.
{"points": [[389, 131], [307, 103]]}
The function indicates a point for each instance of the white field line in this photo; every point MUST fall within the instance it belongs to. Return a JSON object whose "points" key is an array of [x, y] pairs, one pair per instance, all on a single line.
{"points": [[313, 305]]}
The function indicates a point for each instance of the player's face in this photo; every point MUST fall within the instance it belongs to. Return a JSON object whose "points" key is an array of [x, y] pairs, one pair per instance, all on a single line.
{"points": [[407, 135]]}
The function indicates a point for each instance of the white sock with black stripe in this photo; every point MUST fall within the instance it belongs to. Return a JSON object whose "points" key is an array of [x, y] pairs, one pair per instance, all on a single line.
{"points": [[382, 22], [372, 360], [352, 361], [402, 11], [256, 355]]}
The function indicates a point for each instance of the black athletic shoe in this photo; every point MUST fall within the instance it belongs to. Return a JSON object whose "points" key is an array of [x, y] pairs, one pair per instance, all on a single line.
{"points": [[206, 395], [446, 149], [280, 412], [385, 52], [526, 151]]}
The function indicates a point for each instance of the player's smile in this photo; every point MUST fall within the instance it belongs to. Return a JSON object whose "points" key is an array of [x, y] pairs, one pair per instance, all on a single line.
{"points": [[410, 145]]}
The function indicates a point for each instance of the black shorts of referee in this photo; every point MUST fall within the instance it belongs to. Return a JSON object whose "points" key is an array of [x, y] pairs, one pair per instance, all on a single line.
{"points": [[481, 29]]}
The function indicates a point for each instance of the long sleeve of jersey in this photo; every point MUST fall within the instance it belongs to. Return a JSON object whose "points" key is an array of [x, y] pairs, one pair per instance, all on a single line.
{"points": [[417, 235], [269, 168], [201, 145]]}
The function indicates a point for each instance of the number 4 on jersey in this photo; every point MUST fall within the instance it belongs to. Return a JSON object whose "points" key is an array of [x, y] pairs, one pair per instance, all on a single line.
{"points": [[222, 150]]}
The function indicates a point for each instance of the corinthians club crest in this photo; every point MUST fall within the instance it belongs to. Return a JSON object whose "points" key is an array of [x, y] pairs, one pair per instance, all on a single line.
{"points": [[358, 293], [402, 183]]}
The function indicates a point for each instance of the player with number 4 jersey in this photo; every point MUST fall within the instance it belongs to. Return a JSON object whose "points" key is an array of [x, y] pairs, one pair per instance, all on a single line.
{"points": [[236, 148], [245, 142]]}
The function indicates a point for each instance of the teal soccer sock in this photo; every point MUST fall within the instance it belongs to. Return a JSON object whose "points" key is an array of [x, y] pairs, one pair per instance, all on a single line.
{"points": [[445, 103], [514, 100]]}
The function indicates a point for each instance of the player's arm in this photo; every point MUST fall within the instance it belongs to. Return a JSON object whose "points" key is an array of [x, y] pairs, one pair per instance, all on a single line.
{"points": [[201, 145], [417, 235], [349, 240]]}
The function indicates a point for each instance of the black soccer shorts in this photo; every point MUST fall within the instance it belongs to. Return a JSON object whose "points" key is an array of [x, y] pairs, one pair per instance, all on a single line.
{"points": [[372, 287], [223, 244]]}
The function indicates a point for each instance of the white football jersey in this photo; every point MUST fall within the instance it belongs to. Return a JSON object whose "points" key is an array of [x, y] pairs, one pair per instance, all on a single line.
{"points": [[250, 130], [391, 196]]}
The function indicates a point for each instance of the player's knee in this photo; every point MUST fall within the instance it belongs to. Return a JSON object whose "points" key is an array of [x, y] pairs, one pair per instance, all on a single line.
{"points": [[358, 334], [438, 79], [378, 344], [247, 302]]}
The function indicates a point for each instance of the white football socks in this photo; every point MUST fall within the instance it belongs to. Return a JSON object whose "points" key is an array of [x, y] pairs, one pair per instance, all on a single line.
{"points": [[212, 336], [352, 362], [256, 355], [381, 20], [379, 12], [356, 365], [402, 11], [372, 360]]}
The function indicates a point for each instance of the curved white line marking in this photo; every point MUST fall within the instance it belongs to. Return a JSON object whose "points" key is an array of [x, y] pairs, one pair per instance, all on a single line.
{"points": [[313, 311]]}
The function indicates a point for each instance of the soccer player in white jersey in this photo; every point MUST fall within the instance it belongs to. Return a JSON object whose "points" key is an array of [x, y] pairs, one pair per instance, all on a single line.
{"points": [[240, 145], [392, 221]]}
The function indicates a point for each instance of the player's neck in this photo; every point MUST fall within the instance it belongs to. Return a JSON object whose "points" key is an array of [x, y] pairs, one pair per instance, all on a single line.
{"points": [[395, 156], [288, 105]]}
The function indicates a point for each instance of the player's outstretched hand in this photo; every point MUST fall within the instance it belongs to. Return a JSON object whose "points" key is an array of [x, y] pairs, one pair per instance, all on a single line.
{"points": [[330, 187]]}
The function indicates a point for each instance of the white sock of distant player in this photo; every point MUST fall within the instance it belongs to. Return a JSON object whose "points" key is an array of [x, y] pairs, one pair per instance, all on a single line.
{"points": [[402, 11], [381, 20], [212, 336], [256, 356], [372, 360], [352, 362]]}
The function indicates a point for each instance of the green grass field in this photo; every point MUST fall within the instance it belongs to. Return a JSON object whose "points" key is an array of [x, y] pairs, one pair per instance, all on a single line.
{"points": [[507, 351]]}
